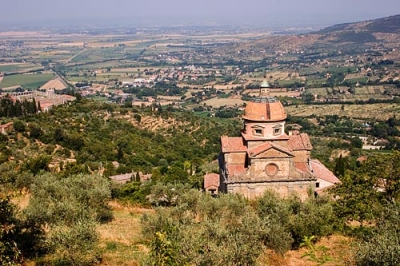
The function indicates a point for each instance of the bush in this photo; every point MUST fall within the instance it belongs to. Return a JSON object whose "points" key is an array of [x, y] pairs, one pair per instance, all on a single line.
{"points": [[75, 245]]}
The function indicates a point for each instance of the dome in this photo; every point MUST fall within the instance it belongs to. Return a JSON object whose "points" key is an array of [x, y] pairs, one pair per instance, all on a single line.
{"points": [[264, 84], [264, 109]]}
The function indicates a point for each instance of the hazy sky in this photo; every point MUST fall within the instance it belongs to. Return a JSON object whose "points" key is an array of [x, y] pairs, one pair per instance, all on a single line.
{"points": [[139, 12]]}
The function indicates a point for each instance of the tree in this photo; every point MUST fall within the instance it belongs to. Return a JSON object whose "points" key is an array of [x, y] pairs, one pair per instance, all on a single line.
{"points": [[19, 126], [340, 166], [383, 171], [35, 165], [381, 246], [356, 143], [137, 117], [19, 237], [363, 193], [357, 198], [10, 254], [58, 135], [36, 132], [308, 98]]}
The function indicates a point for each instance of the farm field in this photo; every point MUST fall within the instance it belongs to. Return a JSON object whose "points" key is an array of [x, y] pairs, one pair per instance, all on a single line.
{"points": [[6, 68], [28, 81], [217, 102], [379, 111]]}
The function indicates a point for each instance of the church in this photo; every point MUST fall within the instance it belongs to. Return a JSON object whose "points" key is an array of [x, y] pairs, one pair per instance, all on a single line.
{"points": [[264, 157]]}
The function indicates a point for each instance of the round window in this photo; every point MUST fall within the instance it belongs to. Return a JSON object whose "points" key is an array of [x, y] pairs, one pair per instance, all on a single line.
{"points": [[271, 169]]}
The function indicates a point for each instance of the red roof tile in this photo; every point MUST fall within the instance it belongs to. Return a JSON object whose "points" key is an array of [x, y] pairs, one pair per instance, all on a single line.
{"points": [[302, 167], [299, 142], [232, 144], [211, 180], [320, 171]]}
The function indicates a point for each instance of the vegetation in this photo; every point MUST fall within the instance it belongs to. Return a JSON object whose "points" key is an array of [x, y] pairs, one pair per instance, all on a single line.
{"points": [[60, 161], [187, 221], [228, 230], [8, 108]]}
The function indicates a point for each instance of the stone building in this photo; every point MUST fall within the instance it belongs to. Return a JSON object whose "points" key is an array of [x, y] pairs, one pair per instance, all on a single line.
{"points": [[264, 157]]}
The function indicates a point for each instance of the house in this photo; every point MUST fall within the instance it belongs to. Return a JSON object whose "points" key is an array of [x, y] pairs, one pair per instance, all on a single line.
{"points": [[122, 179], [264, 157]]}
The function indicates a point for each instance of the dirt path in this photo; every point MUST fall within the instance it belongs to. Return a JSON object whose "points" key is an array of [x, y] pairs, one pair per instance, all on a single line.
{"points": [[72, 57]]}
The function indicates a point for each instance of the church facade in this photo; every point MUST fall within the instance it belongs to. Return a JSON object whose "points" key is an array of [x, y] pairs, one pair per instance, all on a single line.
{"points": [[264, 157]]}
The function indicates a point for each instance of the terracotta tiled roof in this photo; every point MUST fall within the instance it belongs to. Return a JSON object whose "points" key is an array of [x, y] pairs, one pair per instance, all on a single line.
{"points": [[302, 167], [266, 146], [235, 169], [264, 111], [320, 171], [299, 142], [259, 149], [232, 144], [362, 158], [211, 180]]}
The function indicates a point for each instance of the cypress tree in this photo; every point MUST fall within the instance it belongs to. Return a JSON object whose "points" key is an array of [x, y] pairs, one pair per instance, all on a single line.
{"points": [[340, 166]]}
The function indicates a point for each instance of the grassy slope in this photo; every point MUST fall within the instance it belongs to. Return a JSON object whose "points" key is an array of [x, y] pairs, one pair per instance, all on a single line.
{"points": [[121, 239]]}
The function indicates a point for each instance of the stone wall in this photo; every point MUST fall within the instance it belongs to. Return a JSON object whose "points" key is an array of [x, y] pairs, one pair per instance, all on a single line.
{"points": [[284, 189]]}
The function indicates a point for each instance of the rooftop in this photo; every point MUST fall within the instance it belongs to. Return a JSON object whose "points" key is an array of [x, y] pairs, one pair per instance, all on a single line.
{"points": [[264, 109]]}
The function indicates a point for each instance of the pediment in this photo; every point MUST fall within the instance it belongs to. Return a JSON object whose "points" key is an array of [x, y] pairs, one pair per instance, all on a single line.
{"points": [[273, 153], [269, 150]]}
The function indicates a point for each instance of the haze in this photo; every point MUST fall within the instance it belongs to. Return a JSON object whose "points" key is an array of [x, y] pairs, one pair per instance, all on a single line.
{"points": [[185, 12]]}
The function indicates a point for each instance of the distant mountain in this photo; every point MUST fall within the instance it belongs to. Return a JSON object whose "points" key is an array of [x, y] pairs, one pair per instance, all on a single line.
{"points": [[348, 37], [362, 32], [383, 25]]}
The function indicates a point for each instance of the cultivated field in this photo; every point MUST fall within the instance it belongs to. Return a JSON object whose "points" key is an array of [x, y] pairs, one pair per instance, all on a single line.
{"points": [[217, 102], [17, 67], [55, 84], [29, 81], [380, 111]]}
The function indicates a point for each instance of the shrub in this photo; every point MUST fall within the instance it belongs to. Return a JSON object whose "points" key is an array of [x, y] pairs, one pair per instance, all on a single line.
{"points": [[74, 245]]}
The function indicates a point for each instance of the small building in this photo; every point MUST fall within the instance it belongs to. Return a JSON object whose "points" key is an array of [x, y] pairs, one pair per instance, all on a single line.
{"points": [[211, 183], [122, 179]]}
